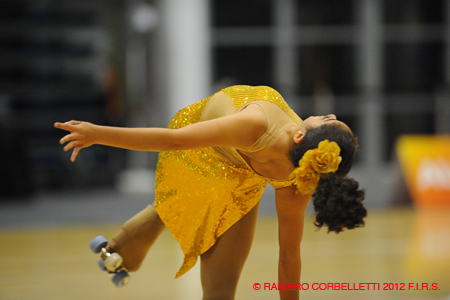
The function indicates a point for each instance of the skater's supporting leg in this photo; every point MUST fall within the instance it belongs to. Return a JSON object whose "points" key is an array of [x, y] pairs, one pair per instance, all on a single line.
{"points": [[136, 237], [221, 265]]}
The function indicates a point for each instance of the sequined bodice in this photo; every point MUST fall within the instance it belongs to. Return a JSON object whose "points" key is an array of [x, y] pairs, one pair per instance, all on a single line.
{"points": [[279, 116]]}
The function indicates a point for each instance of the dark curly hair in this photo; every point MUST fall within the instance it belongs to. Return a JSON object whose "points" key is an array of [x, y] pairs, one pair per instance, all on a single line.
{"points": [[337, 198]]}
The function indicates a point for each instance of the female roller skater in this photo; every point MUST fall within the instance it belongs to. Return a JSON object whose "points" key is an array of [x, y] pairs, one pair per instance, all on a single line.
{"points": [[216, 157]]}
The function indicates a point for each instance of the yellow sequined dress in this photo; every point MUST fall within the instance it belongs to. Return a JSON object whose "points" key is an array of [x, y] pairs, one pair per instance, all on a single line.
{"points": [[200, 193]]}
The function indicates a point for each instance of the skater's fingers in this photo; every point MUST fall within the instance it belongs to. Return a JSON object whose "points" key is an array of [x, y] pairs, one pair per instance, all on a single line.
{"points": [[70, 145], [74, 122], [64, 126], [76, 139], [59, 125], [75, 153], [66, 139], [76, 149], [69, 126]]}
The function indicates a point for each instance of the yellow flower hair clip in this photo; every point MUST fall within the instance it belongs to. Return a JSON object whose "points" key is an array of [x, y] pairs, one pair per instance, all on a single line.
{"points": [[315, 162]]}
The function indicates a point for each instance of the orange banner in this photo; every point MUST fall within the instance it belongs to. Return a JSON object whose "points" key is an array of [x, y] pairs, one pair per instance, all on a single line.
{"points": [[425, 163]]}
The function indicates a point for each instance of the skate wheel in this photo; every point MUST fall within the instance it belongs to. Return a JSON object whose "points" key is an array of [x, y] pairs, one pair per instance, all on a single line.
{"points": [[98, 243], [101, 264], [113, 262], [120, 278]]}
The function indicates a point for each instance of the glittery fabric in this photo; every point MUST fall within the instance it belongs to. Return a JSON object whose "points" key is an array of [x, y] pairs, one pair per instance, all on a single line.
{"points": [[198, 193], [242, 94]]}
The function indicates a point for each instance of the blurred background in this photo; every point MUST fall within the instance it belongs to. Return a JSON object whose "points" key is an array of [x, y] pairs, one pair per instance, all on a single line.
{"points": [[383, 67]]}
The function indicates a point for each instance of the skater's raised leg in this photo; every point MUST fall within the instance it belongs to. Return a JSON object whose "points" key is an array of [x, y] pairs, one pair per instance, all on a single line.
{"points": [[136, 237]]}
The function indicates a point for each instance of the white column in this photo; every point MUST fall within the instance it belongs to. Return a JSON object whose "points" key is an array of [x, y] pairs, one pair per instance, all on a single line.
{"points": [[373, 174], [370, 76], [285, 48], [187, 58], [184, 68]]}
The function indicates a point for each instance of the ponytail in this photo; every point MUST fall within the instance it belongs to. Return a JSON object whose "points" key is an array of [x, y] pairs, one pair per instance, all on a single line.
{"points": [[338, 203], [337, 198]]}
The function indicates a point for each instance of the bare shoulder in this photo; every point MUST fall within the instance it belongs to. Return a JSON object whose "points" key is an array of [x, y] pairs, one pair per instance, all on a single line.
{"points": [[256, 118]]}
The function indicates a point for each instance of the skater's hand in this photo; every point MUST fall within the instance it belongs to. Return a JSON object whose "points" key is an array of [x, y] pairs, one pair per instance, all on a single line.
{"points": [[82, 135]]}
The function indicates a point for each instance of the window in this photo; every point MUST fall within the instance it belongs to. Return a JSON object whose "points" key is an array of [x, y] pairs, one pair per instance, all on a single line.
{"points": [[238, 13], [243, 65]]}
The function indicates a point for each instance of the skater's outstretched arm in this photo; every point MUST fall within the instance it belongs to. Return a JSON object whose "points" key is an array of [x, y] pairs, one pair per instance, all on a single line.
{"points": [[238, 130], [291, 209]]}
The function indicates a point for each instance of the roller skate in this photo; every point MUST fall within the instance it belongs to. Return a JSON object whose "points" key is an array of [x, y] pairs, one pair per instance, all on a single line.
{"points": [[110, 262]]}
